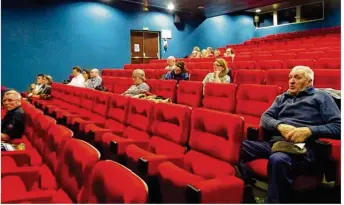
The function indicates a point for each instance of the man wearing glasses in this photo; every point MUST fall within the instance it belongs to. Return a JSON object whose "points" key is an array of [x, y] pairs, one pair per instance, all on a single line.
{"points": [[12, 125]]}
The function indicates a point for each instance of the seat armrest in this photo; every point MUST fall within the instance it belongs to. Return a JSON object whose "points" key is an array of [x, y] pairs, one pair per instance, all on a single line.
{"points": [[252, 133], [21, 157], [216, 190], [322, 149], [29, 175], [40, 197], [149, 165], [118, 147]]}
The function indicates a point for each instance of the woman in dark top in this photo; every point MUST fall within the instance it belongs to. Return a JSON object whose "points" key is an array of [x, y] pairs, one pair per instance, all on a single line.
{"points": [[178, 73]]}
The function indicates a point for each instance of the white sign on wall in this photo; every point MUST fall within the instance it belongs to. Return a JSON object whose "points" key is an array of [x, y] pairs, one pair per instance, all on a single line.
{"points": [[136, 47], [166, 34]]}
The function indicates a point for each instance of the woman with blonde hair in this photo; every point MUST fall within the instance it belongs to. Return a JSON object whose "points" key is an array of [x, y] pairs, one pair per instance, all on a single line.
{"points": [[204, 53], [139, 86], [220, 73]]}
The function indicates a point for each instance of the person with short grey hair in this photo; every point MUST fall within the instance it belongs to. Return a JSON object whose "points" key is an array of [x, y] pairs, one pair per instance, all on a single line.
{"points": [[171, 60], [13, 123], [95, 80], [302, 114], [139, 86]]}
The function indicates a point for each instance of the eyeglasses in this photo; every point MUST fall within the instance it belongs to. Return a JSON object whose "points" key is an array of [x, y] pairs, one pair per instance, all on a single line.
{"points": [[217, 65], [9, 100]]}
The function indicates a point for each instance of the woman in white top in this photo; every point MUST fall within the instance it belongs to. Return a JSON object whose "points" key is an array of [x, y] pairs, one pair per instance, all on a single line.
{"points": [[220, 73]]}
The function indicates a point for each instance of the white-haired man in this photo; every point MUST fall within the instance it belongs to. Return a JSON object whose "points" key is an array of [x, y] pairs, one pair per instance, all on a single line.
{"points": [[12, 125], [300, 115], [95, 80], [171, 61]]}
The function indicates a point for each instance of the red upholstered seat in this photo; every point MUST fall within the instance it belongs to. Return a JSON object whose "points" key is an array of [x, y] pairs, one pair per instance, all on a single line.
{"points": [[252, 101], [215, 142], [34, 183], [106, 187], [170, 130]]}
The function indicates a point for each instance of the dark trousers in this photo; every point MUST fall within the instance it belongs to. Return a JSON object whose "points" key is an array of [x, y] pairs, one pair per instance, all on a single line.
{"points": [[281, 167]]}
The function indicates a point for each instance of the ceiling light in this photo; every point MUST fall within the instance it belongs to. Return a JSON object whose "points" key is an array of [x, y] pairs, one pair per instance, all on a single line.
{"points": [[170, 6], [200, 7], [258, 10]]}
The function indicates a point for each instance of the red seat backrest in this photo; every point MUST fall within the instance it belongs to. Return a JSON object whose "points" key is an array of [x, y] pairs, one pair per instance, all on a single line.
{"points": [[327, 78], [249, 77], [269, 64], [118, 113], [122, 84], [254, 100], [278, 77], [74, 165], [215, 142], [243, 65], [140, 119], [103, 185], [190, 93], [290, 64], [170, 129], [221, 97], [328, 63]]}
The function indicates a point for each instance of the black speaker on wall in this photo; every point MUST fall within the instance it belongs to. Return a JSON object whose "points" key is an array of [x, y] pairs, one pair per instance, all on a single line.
{"points": [[178, 21]]}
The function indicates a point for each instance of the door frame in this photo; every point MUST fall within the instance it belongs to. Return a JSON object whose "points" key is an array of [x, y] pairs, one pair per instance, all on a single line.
{"points": [[159, 40]]}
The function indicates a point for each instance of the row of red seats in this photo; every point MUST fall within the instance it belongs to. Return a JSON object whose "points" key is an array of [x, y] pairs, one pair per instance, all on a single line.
{"points": [[278, 44], [323, 78], [261, 62], [158, 133], [277, 48], [312, 33], [69, 170], [148, 135]]}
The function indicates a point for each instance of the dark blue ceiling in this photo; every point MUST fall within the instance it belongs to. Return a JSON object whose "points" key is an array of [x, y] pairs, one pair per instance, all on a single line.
{"points": [[211, 7]]}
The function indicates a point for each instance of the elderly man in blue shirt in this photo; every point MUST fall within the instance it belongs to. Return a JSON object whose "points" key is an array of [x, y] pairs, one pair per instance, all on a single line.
{"points": [[300, 115]]}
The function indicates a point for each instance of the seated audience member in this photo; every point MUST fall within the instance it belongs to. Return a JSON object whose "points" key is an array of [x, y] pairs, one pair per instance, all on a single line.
{"points": [[78, 80], [31, 88], [139, 86], [194, 54], [220, 73], [178, 73], [204, 53], [300, 115], [170, 63], [217, 53], [46, 90], [86, 74], [197, 49], [229, 53], [210, 52], [12, 125], [38, 87], [95, 80]]}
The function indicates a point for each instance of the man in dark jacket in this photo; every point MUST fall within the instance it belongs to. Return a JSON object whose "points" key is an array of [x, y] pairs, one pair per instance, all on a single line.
{"points": [[12, 125]]}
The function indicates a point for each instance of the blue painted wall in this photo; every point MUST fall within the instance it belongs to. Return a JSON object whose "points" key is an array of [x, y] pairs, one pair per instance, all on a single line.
{"points": [[222, 30], [52, 39], [332, 18]]}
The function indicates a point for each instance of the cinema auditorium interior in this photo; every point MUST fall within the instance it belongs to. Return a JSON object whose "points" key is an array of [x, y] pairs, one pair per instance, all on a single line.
{"points": [[170, 101]]}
